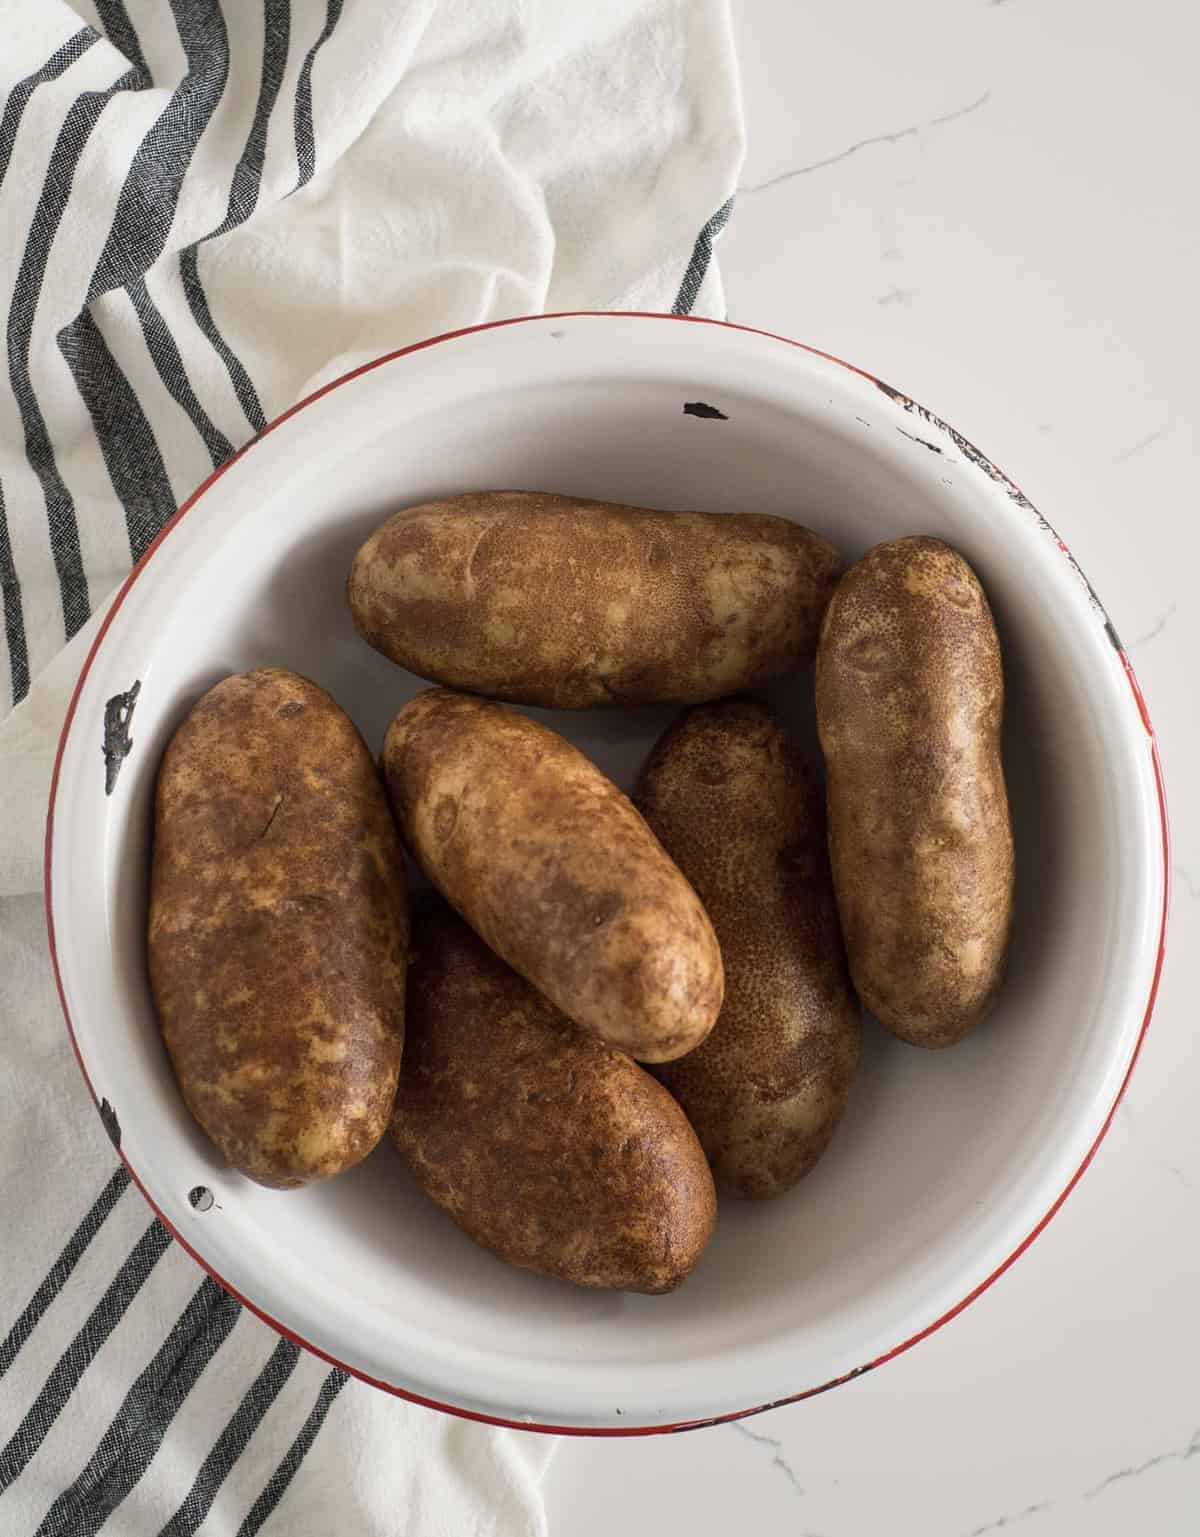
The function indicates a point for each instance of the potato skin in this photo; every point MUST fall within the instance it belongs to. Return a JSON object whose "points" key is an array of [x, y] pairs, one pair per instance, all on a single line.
{"points": [[278, 934], [551, 864], [558, 601], [736, 806], [910, 694], [546, 1146]]}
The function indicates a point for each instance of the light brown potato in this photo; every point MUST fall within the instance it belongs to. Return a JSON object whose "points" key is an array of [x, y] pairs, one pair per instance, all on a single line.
{"points": [[278, 929], [910, 694], [552, 600], [550, 863], [739, 811], [545, 1145]]}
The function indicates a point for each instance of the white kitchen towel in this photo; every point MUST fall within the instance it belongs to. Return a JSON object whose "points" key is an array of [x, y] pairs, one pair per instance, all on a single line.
{"points": [[207, 208]]}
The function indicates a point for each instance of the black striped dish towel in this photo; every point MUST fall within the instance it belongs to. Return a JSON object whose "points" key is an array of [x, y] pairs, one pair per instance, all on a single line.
{"points": [[207, 208]]}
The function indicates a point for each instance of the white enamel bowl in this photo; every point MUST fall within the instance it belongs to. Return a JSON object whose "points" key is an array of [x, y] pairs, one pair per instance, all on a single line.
{"points": [[947, 1163]]}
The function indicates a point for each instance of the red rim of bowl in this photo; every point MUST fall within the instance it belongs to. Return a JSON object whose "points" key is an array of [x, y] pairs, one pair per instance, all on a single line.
{"points": [[620, 1430]]}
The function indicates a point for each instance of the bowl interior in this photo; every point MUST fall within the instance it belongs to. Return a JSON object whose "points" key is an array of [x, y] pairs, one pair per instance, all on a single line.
{"points": [[945, 1161]]}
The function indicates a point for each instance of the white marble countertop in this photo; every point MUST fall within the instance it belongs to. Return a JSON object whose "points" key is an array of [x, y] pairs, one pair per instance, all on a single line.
{"points": [[991, 204]]}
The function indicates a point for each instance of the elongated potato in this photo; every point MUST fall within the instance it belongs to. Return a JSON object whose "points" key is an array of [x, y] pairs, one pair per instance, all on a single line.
{"points": [[550, 863], [545, 1145], [278, 929], [738, 810], [910, 694], [552, 600]]}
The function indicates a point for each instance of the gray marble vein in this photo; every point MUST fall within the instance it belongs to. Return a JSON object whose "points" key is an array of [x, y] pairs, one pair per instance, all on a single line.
{"points": [[1016, 1517], [1141, 443], [1182, 1454], [778, 1460], [1131, 1121], [1184, 875], [1011, 1519], [879, 138], [1155, 629]]}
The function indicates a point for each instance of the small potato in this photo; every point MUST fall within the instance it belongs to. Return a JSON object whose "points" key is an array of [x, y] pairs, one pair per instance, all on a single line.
{"points": [[552, 600], [546, 1146], [550, 863], [910, 694], [736, 807], [278, 929]]}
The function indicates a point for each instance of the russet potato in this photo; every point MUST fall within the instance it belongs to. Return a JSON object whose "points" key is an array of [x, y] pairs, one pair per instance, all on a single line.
{"points": [[558, 601], [551, 864], [548, 1147], [278, 928], [910, 695], [739, 810]]}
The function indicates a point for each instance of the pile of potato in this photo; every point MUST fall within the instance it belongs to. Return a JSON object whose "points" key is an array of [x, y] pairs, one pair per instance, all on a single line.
{"points": [[711, 928]]}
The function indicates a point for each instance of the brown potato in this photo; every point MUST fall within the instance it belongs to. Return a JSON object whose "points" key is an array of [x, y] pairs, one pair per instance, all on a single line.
{"points": [[550, 863], [545, 1145], [737, 808], [552, 600], [278, 929], [910, 694]]}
